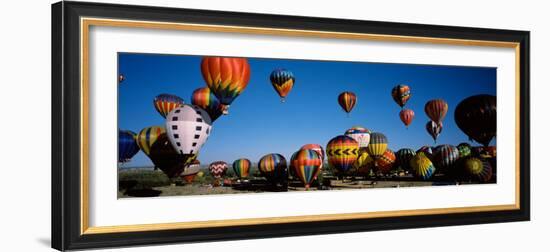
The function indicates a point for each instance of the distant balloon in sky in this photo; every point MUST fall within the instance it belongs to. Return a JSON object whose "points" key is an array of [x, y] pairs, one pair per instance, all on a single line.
{"points": [[164, 103], [273, 167], [241, 167], [342, 152], [226, 77], [360, 134], [218, 169], [434, 129], [347, 101], [127, 146], [148, 136], [306, 164], [206, 100], [476, 116], [188, 128], [121, 78], [401, 94], [406, 116], [282, 81], [436, 109]]}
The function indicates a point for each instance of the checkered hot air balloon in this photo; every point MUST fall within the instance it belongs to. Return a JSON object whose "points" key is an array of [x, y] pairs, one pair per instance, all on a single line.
{"points": [[188, 128], [273, 167], [306, 165], [347, 101], [282, 81], [127, 146], [164, 103], [241, 167], [342, 152], [401, 94], [226, 77]]}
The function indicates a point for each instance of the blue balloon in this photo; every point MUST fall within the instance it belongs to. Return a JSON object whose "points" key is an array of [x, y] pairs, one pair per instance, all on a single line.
{"points": [[127, 146]]}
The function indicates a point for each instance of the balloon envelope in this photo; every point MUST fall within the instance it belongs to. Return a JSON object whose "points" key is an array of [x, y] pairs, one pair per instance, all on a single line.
{"points": [[164, 103], [377, 145], [273, 167], [205, 99], [401, 94], [422, 166], [241, 167], [434, 129], [188, 128], [148, 136], [359, 134], [342, 152], [306, 164], [404, 157], [406, 116], [127, 146], [436, 110], [218, 169], [282, 81], [347, 101], [167, 159], [385, 163], [476, 116]]}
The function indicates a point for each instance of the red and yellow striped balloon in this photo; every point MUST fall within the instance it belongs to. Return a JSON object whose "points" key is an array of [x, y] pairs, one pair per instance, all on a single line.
{"points": [[342, 152], [385, 163], [347, 101], [164, 103], [306, 165], [436, 110]]}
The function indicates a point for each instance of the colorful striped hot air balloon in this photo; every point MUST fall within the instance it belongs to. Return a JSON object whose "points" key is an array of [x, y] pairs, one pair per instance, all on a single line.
{"points": [[360, 134], [347, 101], [401, 94], [273, 167], [205, 99], [363, 164], [317, 148], [241, 167], [436, 110], [422, 167], [164, 103], [127, 146], [385, 163], [404, 157], [306, 165], [406, 116], [226, 77], [282, 81], [167, 159], [446, 157], [147, 137], [464, 150], [434, 129], [191, 171], [377, 145], [476, 116], [477, 169], [218, 169], [342, 152]]}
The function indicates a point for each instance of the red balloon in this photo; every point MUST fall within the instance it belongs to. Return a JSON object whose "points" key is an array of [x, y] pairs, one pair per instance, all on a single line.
{"points": [[406, 115], [436, 110]]}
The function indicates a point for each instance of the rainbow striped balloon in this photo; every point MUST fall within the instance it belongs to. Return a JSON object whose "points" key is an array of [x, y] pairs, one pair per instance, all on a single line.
{"points": [[147, 137], [306, 164], [273, 167], [342, 152], [241, 167], [205, 99], [164, 103], [422, 166]]}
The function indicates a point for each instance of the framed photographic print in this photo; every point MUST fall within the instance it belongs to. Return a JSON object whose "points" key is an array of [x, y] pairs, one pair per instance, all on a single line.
{"points": [[178, 125]]}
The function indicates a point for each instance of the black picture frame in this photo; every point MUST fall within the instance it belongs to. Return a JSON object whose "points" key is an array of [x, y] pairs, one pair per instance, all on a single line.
{"points": [[66, 114]]}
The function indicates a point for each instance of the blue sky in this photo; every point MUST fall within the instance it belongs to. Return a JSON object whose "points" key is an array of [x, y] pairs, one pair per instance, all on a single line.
{"points": [[258, 123]]}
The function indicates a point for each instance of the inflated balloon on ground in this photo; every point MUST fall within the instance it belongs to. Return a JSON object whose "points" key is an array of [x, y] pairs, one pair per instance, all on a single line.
{"points": [[306, 165], [342, 152], [422, 167]]}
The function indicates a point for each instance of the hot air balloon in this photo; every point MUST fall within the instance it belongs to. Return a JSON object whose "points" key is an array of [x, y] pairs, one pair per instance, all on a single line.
{"points": [[226, 77], [241, 167], [404, 157], [191, 171], [342, 152], [427, 150], [422, 167], [360, 134], [363, 164], [273, 167], [478, 169], [476, 116], [167, 159], [401, 94], [445, 157], [127, 146], [317, 148], [377, 145], [218, 169], [121, 78], [188, 128], [306, 164], [347, 101], [164, 103], [291, 169], [436, 110], [434, 129], [406, 116], [203, 98], [282, 80], [148, 136], [385, 163], [464, 150]]}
